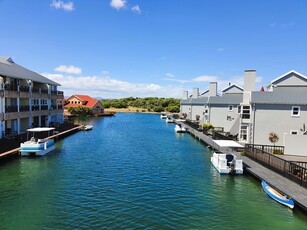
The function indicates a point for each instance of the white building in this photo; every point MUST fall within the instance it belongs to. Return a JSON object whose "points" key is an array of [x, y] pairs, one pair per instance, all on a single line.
{"points": [[26, 99]]}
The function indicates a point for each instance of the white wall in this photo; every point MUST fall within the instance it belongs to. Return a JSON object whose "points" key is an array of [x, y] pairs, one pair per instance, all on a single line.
{"points": [[295, 144], [277, 119]]}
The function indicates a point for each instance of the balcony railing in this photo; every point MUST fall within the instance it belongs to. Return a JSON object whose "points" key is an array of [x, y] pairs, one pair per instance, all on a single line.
{"points": [[44, 107], [24, 108], [35, 108], [11, 87], [34, 90], [44, 91], [11, 109], [24, 88]]}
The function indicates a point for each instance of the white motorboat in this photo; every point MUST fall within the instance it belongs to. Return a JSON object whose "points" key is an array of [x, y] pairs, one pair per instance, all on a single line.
{"points": [[169, 118], [227, 163], [88, 127], [35, 146], [163, 116], [180, 129]]}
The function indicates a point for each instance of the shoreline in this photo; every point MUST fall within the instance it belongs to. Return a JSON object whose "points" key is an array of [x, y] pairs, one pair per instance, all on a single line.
{"points": [[132, 110]]}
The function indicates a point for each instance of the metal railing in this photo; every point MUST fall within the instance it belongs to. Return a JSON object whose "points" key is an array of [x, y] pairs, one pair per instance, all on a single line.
{"points": [[11, 109], [295, 171]]}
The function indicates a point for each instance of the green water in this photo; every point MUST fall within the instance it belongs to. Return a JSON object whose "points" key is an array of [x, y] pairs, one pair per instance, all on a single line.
{"points": [[132, 171]]}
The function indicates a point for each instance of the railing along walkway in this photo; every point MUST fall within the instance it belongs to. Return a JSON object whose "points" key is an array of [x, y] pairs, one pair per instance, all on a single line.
{"points": [[295, 191]]}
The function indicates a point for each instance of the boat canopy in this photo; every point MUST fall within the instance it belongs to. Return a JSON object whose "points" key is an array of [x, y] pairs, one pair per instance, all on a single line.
{"points": [[228, 143], [42, 129]]}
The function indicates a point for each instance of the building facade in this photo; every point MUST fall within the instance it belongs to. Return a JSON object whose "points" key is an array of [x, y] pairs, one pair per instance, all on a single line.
{"points": [[84, 101], [281, 110], [27, 99]]}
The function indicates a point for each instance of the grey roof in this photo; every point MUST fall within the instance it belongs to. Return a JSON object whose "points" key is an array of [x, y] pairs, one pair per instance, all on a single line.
{"points": [[282, 95], [231, 87], [194, 101], [10, 69], [228, 99]]}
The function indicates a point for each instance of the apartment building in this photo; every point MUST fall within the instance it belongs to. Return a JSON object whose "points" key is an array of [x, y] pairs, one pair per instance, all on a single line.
{"points": [[27, 99]]}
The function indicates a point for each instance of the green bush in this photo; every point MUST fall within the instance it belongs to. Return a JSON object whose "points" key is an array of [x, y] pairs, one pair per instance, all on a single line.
{"points": [[208, 126]]}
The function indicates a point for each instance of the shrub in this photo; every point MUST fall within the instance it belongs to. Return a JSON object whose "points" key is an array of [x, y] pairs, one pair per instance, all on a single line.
{"points": [[208, 126]]}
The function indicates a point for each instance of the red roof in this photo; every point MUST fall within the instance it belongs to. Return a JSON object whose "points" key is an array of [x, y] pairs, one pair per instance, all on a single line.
{"points": [[87, 101]]}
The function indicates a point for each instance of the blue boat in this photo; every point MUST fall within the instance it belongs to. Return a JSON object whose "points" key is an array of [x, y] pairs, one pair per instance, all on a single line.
{"points": [[283, 199]]}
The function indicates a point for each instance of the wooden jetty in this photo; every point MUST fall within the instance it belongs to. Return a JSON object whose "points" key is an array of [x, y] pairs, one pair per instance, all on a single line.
{"points": [[295, 191], [15, 151]]}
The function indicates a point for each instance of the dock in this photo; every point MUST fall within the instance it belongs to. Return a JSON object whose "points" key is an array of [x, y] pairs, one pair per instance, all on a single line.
{"points": [[15, 152], [295, 191]]}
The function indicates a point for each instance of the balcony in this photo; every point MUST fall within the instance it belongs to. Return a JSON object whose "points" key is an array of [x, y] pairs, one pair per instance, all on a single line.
{"points": [[11, 91], [24, 92], [57, 94], [24, 108], [44, 107], [11, 109]]}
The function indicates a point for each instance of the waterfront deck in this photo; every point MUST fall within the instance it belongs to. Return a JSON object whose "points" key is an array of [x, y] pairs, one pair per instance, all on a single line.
{"points": [[284, 185], [55, 136]]}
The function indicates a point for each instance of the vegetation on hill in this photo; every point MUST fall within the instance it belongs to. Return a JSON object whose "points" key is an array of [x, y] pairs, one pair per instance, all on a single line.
{"points": [[151, 104]]}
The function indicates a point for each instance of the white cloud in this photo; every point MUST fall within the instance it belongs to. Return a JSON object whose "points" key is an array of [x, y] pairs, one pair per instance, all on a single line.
{"points": [[107, 87], [136, 9], [118, 4], [105, 72], [58, 4], [204, 79], [169, 75], [68, 69]]}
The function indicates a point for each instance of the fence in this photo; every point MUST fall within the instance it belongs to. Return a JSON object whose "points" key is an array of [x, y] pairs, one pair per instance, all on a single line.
{"points": [[295, 171]]}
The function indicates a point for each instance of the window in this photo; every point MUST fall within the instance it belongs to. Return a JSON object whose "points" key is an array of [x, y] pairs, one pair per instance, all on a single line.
{"points": [[295, 111], [294, 132], [245, 112], [230, 108]]}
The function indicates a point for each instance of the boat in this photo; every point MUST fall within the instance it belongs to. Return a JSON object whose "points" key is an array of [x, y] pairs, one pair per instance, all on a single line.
{"points": [[169, 118], [180, 129], [277, 196], [163, 116], [87, 127], [227, 163], [35, 146]]}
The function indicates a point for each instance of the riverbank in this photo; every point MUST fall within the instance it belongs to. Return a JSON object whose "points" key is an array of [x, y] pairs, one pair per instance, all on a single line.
{"points": [[131, 109]]}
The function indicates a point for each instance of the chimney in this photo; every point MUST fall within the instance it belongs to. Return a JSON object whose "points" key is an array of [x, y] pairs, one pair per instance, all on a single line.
{"points": [[249, 80], [185, 95], [249, 85], [212, 89], [195, 93]]}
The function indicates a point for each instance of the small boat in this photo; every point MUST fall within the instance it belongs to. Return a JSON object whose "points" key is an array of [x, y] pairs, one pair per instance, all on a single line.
{"points": [[35, 146], [163, 116], [283, 199], [227, 163], [87, 127], [180, 129], [169, 118]]}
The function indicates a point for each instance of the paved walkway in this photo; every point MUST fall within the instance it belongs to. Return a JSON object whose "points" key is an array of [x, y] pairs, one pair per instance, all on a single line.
{"points": [[284, 185]]}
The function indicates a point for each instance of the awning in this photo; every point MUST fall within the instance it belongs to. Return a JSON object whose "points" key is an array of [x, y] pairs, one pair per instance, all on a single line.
{"points": [[43, 129], [228, 143]]}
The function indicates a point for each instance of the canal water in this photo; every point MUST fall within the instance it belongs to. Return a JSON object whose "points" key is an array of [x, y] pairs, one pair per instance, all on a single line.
{"points": [[132, 171]]}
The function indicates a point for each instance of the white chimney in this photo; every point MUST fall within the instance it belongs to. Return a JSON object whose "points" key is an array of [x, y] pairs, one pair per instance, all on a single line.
{"points": [[249, 85], [212, 89], [185, 95], [195, 93]]}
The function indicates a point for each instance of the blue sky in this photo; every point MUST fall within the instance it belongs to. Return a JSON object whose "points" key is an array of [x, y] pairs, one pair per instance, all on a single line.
{"points": [[141, 48]]}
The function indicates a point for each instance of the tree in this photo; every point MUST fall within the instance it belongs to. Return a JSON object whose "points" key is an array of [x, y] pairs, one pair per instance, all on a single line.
{"points": [[273, 137]]}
